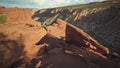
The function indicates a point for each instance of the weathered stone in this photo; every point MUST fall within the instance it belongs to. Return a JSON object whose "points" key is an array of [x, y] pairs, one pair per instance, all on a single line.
{"points": [[18, 16], [18, 42], [97, 21], [77, 36]]}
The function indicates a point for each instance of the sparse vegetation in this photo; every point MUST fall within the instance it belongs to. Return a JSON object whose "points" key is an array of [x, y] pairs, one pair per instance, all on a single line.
{"points": [[49, 21], [3, 19]]}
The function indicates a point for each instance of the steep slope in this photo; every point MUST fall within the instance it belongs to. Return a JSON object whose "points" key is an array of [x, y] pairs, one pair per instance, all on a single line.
{"points": [[18, 15], [100, 20], [58, 53], [18, 42], [76, 36], [25, 44], [18, 36]]}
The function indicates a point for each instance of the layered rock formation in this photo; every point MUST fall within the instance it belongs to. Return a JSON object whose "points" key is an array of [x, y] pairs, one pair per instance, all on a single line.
{"points": [[18, 38], [58, 53], [18, 15], [26, 44], [74, 35], [101, 20]]}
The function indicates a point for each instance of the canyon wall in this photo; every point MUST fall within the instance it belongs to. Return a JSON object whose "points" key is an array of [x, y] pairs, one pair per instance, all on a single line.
{"points": [[101, 21], [18, 15], [26, 44]]}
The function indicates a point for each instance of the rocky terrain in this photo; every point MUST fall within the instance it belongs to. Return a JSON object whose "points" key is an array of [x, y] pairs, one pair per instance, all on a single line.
{"points": [[58, 43], [100, 20], [17, 15], [18, 36]]}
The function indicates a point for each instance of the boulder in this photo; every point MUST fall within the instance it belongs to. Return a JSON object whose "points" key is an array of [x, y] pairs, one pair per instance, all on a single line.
{"points": [[75, 35], [58, 29]]}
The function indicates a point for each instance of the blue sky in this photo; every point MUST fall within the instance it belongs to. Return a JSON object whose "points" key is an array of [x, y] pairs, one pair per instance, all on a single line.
{"points": [[42, 3]]}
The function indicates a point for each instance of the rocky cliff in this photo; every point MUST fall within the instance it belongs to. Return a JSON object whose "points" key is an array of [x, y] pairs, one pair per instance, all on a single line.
{"points": [[24, 43], [17, 15], [100, 20], [36, 47], [18, 36]]}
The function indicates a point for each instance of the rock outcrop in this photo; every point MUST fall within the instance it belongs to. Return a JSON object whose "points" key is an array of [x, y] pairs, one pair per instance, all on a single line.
{"points": [[61, 53], [24, 43], [18, 37], [18, 42], [98, 20], [77, 36], [18, 16]]}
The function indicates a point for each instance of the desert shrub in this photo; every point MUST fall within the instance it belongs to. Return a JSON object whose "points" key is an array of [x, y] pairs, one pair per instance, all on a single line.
{"points": [[3, 19]]}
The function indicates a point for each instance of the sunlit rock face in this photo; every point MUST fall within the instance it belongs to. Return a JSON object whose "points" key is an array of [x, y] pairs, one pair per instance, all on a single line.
{"points": [[18, 36], [70, 45], [19, 42], [76, 36], [18, 15], [25, 43], [101, 21]]}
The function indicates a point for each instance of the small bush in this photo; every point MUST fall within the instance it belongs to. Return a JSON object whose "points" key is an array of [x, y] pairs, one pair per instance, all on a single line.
{"points": [[3, 19]]}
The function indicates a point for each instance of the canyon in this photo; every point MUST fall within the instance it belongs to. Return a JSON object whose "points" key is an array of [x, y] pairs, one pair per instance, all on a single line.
{"points": [[85, 36], [101, 21]]}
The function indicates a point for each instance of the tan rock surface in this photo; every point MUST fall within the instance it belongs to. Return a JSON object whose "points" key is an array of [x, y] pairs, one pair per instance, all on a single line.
{"points": [[100, 20], [75, 36], [59, 54], [17, 41], [58, 29], [18, 16], [61, 45]]}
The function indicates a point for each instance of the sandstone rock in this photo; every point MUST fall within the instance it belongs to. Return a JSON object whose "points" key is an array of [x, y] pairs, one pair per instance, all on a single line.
{"points": [[91, 58], [97, 19], [10, 50], [2, 7], [78, 37], [38, 64], [64, 45], [17, 42], [55, 52], [71, 56], [58, 29], [18, 16]]}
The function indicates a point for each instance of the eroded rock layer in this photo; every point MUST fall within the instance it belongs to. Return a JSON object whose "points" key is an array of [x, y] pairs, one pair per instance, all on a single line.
{"points": [[60, 45], [100, 20]]}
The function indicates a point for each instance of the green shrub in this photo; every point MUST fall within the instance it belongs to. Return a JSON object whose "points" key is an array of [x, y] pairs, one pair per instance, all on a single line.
{"points": [[3, 19]]}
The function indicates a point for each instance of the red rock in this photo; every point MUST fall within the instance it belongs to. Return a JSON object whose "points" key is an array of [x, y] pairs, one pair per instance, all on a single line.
{"points": [[18, 16], [76, 36], [18, 42]]}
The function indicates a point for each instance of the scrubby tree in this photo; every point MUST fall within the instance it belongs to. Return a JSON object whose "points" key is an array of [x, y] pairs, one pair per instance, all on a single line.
{"points": [[3, 19]]}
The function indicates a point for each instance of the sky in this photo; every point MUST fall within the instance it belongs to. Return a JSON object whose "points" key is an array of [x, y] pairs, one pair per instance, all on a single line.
{"points": [[43, 3]]}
